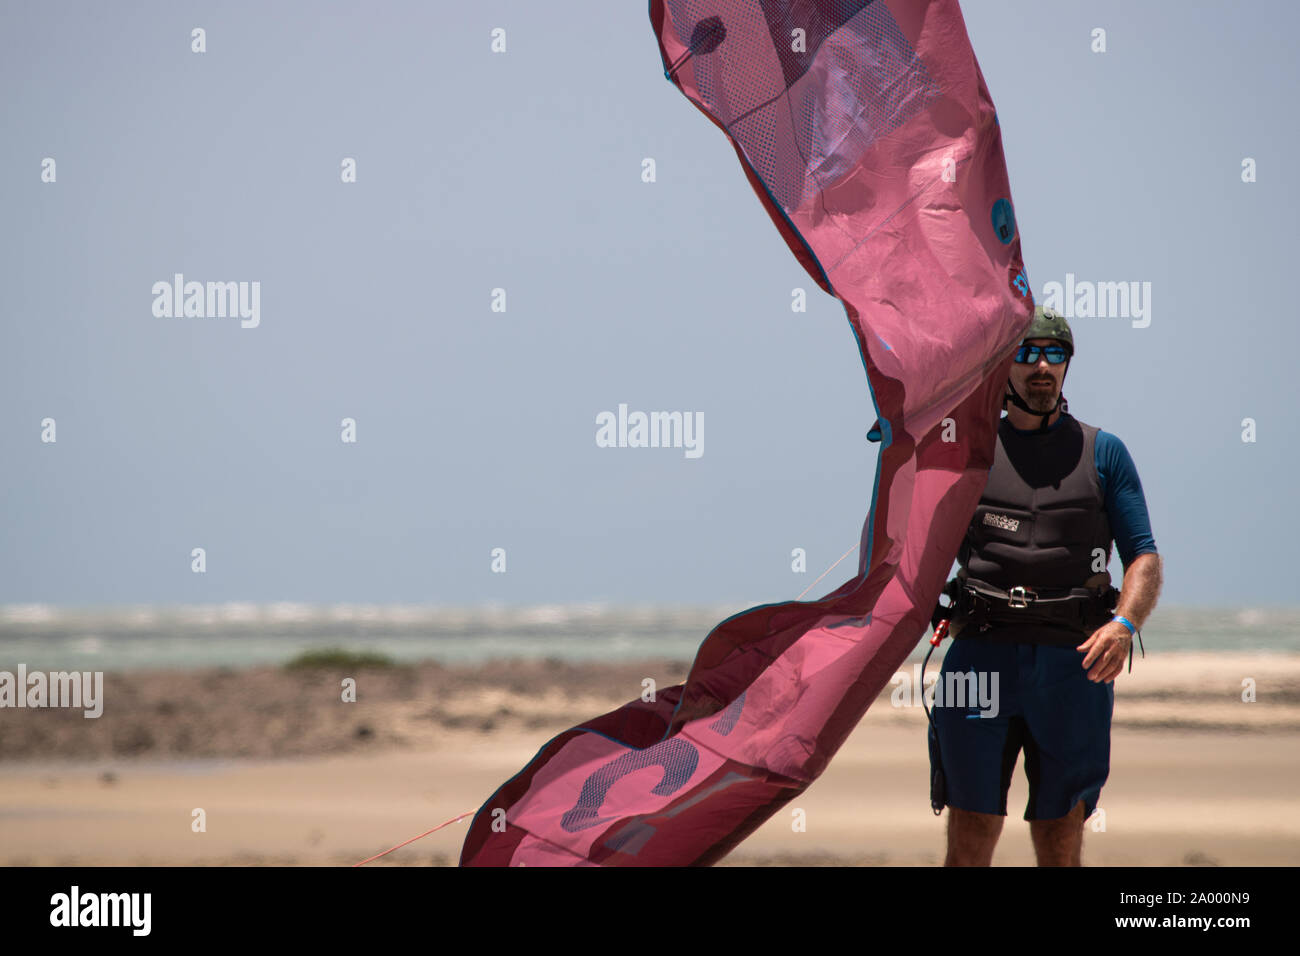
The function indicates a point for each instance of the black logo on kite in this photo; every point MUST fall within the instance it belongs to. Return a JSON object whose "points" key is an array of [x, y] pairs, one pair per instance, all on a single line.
{"points": [[727, 722], [707, 35], [677, 758], [705, 38], [1004, 221]]}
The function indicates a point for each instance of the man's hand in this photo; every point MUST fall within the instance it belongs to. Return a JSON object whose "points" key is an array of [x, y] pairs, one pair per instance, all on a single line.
{"points": [[1106, 651], [1110, 644]]}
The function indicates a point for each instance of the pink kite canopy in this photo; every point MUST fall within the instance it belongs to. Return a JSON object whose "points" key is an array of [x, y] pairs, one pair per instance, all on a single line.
{"points": [[866, 130]]}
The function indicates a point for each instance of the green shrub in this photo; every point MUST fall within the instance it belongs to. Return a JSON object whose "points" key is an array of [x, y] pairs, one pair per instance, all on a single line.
{"points": [[338, 658]]}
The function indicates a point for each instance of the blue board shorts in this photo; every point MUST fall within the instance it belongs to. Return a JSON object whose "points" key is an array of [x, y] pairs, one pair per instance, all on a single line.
{"points": [[1044, 704]]}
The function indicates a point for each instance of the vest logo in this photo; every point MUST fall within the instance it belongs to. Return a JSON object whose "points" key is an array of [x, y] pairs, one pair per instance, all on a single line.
{"points": [[1001, 521]]}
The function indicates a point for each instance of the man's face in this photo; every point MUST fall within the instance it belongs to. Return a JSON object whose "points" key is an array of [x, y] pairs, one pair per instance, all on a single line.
{"points": [[1039, 383]]}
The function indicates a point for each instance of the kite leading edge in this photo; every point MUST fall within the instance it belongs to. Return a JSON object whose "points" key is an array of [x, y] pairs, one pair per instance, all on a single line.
{"points": [[868, 134]]}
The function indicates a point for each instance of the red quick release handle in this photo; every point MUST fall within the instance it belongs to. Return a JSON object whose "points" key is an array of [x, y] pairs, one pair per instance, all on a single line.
{"points": [[940, 632]]}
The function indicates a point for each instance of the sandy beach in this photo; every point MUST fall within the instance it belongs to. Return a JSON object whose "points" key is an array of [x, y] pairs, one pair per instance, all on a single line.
{"points": [[287, 773]]}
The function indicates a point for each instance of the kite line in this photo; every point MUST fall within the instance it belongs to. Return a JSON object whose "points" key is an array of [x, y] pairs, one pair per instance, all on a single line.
{"points": [[471, 812]]}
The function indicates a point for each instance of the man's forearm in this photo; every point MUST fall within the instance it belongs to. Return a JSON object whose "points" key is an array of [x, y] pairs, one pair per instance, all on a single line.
{"points": [[1142, 581]]}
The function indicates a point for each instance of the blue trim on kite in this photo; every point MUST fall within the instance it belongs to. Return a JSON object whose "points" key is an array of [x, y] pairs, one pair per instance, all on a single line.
{"points": [[1003, 217], [613, 740], [886, 440]]}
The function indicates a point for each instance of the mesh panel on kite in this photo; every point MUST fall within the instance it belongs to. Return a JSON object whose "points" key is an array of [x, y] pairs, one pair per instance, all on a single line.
{"points": [[855, 79]]}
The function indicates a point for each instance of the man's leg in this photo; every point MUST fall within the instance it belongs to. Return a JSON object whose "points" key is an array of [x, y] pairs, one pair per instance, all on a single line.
{"points": [[1067, 751], [975, 747], [1059, 842], [972, 837]]}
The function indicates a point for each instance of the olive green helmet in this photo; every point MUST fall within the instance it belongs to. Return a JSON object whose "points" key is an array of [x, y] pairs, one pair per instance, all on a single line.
{"points": [[1047, 324], [1050, 324]]}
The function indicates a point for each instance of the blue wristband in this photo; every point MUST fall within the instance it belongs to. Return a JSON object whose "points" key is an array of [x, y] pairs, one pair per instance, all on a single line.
{"points": [[1132, 628]]}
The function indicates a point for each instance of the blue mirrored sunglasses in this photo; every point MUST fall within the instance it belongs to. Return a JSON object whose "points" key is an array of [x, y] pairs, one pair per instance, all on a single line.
{"points": [[1028, 354]]}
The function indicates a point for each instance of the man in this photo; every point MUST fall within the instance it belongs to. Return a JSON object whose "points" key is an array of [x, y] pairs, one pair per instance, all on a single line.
{"points": [[1035, 618]]}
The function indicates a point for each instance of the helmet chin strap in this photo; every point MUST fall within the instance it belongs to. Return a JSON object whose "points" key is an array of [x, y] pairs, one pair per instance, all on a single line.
{"points": [[1014, 398]]}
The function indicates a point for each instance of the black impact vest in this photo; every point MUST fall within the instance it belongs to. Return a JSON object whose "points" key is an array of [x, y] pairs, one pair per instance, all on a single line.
{"points": [[1041, 525]]}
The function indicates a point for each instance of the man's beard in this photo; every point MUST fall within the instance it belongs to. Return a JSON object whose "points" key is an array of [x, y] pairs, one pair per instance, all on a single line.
{"points": [[1040, 400]]}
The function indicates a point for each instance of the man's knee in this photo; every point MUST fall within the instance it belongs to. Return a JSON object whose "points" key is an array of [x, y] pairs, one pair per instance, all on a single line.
{"points": [[972, 837], [1059, 842]]}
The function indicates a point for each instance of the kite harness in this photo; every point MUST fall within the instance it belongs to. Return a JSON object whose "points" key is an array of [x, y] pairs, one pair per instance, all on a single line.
{"points": [[980, 606]]}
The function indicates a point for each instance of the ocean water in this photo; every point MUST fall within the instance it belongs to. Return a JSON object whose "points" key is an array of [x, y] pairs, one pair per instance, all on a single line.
{"points": [[245, 635]]}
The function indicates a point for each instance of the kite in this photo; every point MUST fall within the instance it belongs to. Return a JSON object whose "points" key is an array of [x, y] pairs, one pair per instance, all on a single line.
{"points": [[867, 132]]}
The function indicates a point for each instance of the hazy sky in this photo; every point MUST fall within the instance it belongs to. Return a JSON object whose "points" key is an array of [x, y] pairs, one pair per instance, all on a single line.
{"points": [[476, 429]]}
